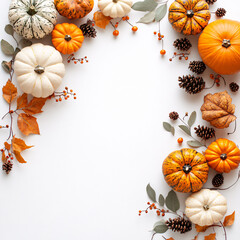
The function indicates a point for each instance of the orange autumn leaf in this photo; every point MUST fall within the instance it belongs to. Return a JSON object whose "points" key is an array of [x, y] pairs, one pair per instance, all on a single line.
{"points": [[9, 91], [201, 228], [212, 236], [22, 101], [3, 157], [7, 146], [196, 237], [229, 220], [19, 145], [27, 124], [35, 106], [101, 20], [19, 157]]}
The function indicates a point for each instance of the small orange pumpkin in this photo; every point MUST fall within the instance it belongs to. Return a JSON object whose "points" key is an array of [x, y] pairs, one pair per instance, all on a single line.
{"points": [[223, 155], [219, 46], [67, 38], [189, 17], [185, 170], [73, 9]]}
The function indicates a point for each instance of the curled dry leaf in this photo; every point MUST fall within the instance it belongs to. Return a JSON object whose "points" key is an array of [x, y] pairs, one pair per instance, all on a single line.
{"points": [[19, 157], [201, 228], [18, 146], [229, 220], [3, 157], [7, 146], [9, 91], [101, 20], [218, 109], [27, 124], [212, 236]]}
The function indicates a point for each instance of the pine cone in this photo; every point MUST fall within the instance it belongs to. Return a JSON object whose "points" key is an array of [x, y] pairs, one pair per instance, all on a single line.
{"points": [[7, 167], [204, 132], [197, 67], [221, 12], [234, 86], [211, 1], [173, 115], [179, 224], [88, 30], [191, 84], [218, 180], [182, 44]]}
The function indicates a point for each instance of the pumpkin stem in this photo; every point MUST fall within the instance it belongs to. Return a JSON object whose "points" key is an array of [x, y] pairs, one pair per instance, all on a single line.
{"points": [[206, 207], [190, 13], [115, 1], [32, 10], [223, 156], [226, 43], [68, 38], [187, 168], [39, 70]]}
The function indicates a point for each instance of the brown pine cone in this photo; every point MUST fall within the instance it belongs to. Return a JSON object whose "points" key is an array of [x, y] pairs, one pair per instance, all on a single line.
{"points": [[7, 167], [173, 115], [197, 67], [204, 132], [179, 224], [88, 30], [182, 44], [233, 87], [191, 84], [218, 180], [211, 1], [221, 12]]}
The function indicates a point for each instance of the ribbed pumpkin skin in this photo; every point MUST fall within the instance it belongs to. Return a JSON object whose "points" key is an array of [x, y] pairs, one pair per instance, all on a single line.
{"points": [[216, 149], [185, 23], [73, 9], [61, 44], [219, 58], [179, 180]]}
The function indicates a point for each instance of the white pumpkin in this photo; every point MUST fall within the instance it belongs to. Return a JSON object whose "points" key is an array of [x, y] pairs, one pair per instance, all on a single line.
{"points": [[32, 18], [115, 8], [206, 207], [39, 70]]}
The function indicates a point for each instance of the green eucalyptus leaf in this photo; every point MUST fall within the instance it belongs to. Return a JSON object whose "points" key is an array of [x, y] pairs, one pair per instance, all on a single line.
{"points": [[9, 29], [192, 119], [6, 66], [17, 50], [194, 144], [7, 48], [172, 201], [146, 5], [160, 12], [160, 227], [148, 18], [169, 128], [161, 200], [151, 193], [25, 43], [185, 129]]}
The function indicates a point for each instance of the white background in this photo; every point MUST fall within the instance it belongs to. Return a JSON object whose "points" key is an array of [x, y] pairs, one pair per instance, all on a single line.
{"points": [[86, 176]]}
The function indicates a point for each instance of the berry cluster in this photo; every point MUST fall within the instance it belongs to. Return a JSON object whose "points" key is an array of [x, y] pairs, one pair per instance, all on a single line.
{"points": [[65, 94], [125, 19], [77, 60], [152, 206], [180, 56], [217, 78], [6, 126]]}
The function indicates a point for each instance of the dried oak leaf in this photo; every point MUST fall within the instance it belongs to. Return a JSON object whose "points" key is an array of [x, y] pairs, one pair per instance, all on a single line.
{"points": [[212, 236], [18, 146], [9, 91], [27, 124], [101, 20], [22, 101], [218, 109], [35, 106], [201, 228], [229, 220]]}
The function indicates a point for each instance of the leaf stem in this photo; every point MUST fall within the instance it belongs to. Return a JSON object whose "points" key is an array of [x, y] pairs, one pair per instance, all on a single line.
{"points": [[224, 229]]}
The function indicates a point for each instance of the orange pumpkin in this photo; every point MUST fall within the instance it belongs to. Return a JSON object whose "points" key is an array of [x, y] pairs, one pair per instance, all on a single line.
{"points": [[67, 38], [73, 9], [185, 170], [219, 46], [223, 155], [189, 17]]}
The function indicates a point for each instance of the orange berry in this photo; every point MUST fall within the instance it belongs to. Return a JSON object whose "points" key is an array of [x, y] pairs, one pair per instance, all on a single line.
{"points": [[140, 211], [56, 100], [116, 25], [115, 32], [71, 90], [7, 126], [163, 214], [81, 62], [148, 203], [180, 140], [154, 33], [124, 18], [217, 80], [163, 52], [146, 211], [159, 38], [170, 59], [186, 58], [127, 17], [211, 76], [134, 28], [159, 34], [162, 36], [75, 97]]}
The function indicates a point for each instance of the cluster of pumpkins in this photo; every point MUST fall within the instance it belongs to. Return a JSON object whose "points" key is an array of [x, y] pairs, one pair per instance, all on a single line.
{"points": [[187, 170], [39, 68]]}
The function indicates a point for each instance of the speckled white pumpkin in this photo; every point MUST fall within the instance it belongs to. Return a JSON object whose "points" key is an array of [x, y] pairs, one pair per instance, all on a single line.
{"points": [[32, 18], [115, 8], [206, 207], [39, 70]]}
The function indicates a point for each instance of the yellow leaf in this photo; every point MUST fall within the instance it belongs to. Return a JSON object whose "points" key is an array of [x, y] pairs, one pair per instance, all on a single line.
{"points": [[27, 124], [19, 145], [22, 101], [201, 228], [229, 220], [7, 146], [101, 20], [19, 157], [9, 91], [210, 237]]}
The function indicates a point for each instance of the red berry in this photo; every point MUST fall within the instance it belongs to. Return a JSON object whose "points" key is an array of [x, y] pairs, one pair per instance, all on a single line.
{"points": [[163, 52], [115, 32]]}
